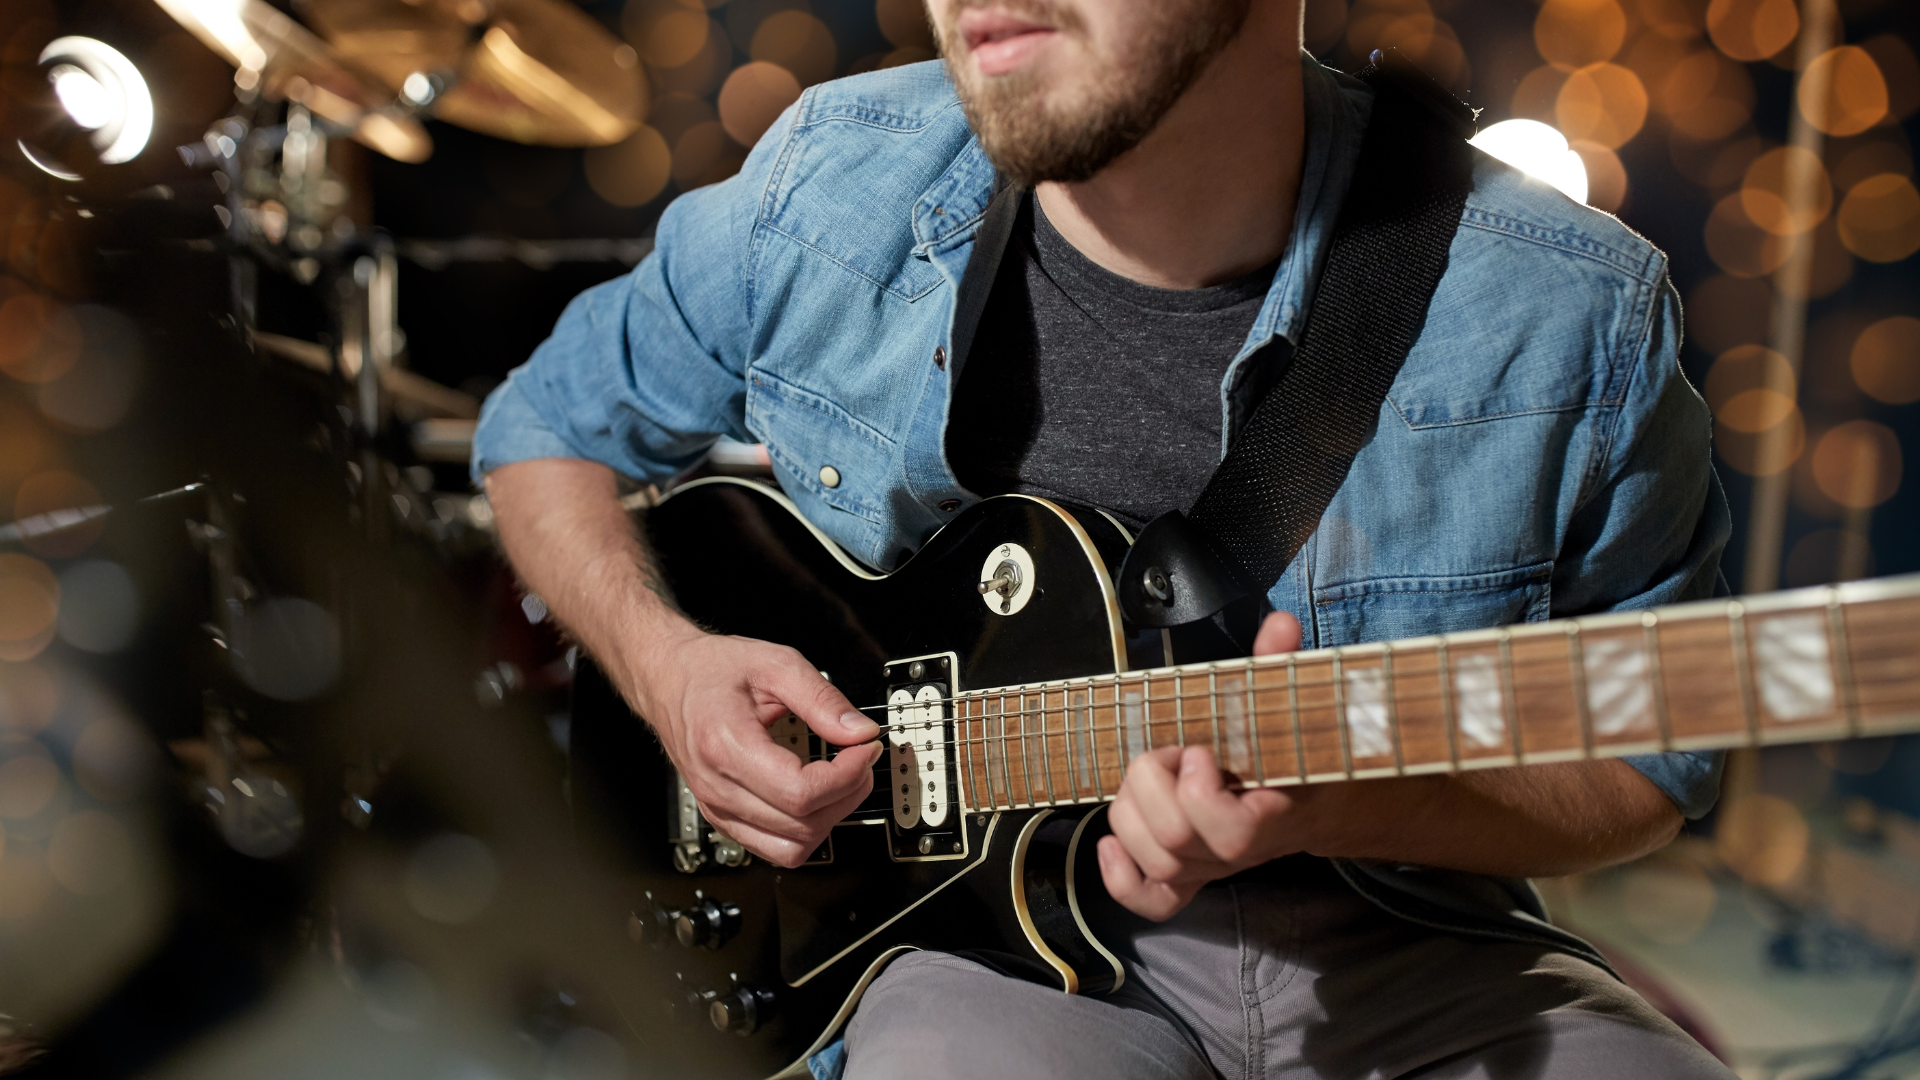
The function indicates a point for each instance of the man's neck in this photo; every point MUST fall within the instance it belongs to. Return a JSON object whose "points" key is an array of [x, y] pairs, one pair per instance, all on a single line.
{"points": [[1210, 193]]}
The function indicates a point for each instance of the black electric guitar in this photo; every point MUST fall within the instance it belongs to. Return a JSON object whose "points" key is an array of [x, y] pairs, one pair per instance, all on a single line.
{"points": [[998, 652]]}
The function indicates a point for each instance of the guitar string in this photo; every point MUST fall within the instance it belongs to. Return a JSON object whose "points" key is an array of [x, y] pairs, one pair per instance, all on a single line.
{"points": [[1095, 727], [1556, 685]]}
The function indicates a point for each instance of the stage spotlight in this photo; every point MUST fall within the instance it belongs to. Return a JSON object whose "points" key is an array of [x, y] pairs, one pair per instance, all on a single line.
{"points": [[1539, 151], [102, 101]]}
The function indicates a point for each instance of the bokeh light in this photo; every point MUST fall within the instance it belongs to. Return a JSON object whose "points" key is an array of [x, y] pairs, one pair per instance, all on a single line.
{"points": [[1668, 897], [705, 154], [1870, 157], [1763, 838], [1752, 29], [1706, 96], [1778, 180], [798, 42], [1817, 557], [630, 172], [666, 33], [29, 693], [1901, 71], [1886, 360], [1606, 176], [1744, 370], [99, 606], [95, 392], [1857, 464], [90, 853], [29, 606], [753, 97], [451, 878], [1842, 91], [1602, 103], [1830, 269], [904, 23], [1738, 245], [1539, 151], [39, 338], [1880, 218], [1573, 34], [29, 781]]}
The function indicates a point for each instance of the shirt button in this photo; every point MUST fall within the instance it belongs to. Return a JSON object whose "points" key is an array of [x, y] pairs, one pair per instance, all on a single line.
{"points": [[940, 357], [830, 476], [949, 505]]}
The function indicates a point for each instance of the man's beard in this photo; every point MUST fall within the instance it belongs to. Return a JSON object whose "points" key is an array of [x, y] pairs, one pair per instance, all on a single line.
{"points": [[1032, 141]]}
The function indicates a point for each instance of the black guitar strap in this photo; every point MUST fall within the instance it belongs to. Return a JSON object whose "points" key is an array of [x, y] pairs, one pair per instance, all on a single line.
{"points": [[1388, 252]]}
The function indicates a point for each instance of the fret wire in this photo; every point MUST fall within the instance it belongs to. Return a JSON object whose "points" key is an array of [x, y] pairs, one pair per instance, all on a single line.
{"points": [[1340, 716], [1119, 737], [1006, 770], [1651, 643], [1213, 712], [1842, 663], [1026, 754], [973, 782], [1447, 718], [1293, 709], [1179, 715], [1508, 704], [1046, 756], [1393, 715], [1742, 668], [1898, 671], [1093, 744], [1253, 724], [1066, 721], [1577, 664]]}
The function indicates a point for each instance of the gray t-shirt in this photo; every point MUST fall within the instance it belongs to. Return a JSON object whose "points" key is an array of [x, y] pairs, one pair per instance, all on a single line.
{"points": [[1087, 387]]}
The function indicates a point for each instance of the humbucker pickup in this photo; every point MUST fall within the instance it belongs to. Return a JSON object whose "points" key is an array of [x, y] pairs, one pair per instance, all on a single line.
{"points": [[921, 784]]}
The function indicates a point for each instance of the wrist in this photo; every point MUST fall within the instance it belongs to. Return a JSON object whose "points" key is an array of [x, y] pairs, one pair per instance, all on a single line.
{"points": [[645, 654]]}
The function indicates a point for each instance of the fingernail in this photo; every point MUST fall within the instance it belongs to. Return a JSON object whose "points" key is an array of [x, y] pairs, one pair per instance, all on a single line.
{"points": [[857, 724]]}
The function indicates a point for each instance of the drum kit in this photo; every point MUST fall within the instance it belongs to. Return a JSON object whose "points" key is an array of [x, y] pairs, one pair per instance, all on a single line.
{"points": [[291, 201]]}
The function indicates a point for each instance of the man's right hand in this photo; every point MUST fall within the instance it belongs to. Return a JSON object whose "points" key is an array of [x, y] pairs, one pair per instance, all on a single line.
{"points": [[711, 698]]}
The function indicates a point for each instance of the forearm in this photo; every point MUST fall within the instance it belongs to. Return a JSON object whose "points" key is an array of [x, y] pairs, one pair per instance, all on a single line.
{"points": [[1539, 821], [571, 541]]}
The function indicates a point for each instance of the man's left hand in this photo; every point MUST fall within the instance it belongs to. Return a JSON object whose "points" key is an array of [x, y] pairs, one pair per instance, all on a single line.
{"points": [[1177, 825]]}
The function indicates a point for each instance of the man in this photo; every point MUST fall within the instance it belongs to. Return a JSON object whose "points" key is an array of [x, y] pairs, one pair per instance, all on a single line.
{"points": [[1180, 166]]}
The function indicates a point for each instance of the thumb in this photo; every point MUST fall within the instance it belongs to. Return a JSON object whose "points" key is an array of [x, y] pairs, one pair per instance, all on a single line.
{"points": [[819, 704], [1279, 633]]}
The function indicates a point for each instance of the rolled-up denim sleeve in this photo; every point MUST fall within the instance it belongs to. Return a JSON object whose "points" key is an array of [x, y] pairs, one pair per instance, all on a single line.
{"points": [[643, 373], [1654, 521]]}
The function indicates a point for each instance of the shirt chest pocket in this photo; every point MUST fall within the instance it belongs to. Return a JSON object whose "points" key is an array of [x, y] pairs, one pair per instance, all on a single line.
{"points": [[1388, 608], [825, 457]]}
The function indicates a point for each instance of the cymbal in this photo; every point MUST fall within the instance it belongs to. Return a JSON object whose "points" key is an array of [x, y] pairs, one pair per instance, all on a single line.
{"points": [[286, 61], [533, 71]]}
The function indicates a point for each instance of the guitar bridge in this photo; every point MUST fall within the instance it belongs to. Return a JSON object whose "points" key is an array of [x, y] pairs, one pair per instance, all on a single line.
{"points": [[923, 787]]}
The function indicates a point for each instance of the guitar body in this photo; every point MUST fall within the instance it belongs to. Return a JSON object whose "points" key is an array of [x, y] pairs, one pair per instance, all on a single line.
{"points": [[786, 953]]}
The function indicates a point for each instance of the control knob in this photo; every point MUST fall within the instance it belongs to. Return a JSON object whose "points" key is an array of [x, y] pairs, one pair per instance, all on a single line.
{"points": [[709, 923], [741, 1010]]}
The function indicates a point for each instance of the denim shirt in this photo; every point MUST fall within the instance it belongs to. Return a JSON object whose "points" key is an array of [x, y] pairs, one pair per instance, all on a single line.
{"points": [[1539, 455]]}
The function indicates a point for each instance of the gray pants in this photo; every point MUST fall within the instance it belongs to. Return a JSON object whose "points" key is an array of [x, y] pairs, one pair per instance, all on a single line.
{"points": [[1298, 980]]}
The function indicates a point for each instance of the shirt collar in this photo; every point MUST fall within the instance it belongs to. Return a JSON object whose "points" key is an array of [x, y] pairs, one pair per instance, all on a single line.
{"points": [[1336, 108]]}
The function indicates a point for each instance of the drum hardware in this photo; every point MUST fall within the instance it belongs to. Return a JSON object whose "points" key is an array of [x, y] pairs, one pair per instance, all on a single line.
{"points": [[540, 72], [277, 59]]}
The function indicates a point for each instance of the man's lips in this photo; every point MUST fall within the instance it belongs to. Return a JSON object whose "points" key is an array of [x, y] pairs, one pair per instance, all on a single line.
{"points": [[999, 42]]}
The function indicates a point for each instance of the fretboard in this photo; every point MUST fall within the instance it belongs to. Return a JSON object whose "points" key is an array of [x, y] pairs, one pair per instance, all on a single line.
{"points": [[1800, 666]]}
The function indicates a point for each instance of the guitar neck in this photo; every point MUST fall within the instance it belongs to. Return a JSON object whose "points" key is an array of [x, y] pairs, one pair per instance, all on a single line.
{"points": [[1801, 666]]}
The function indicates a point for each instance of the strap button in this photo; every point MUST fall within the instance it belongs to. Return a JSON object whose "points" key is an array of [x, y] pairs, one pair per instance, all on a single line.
{"points": [[829, 476]]}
